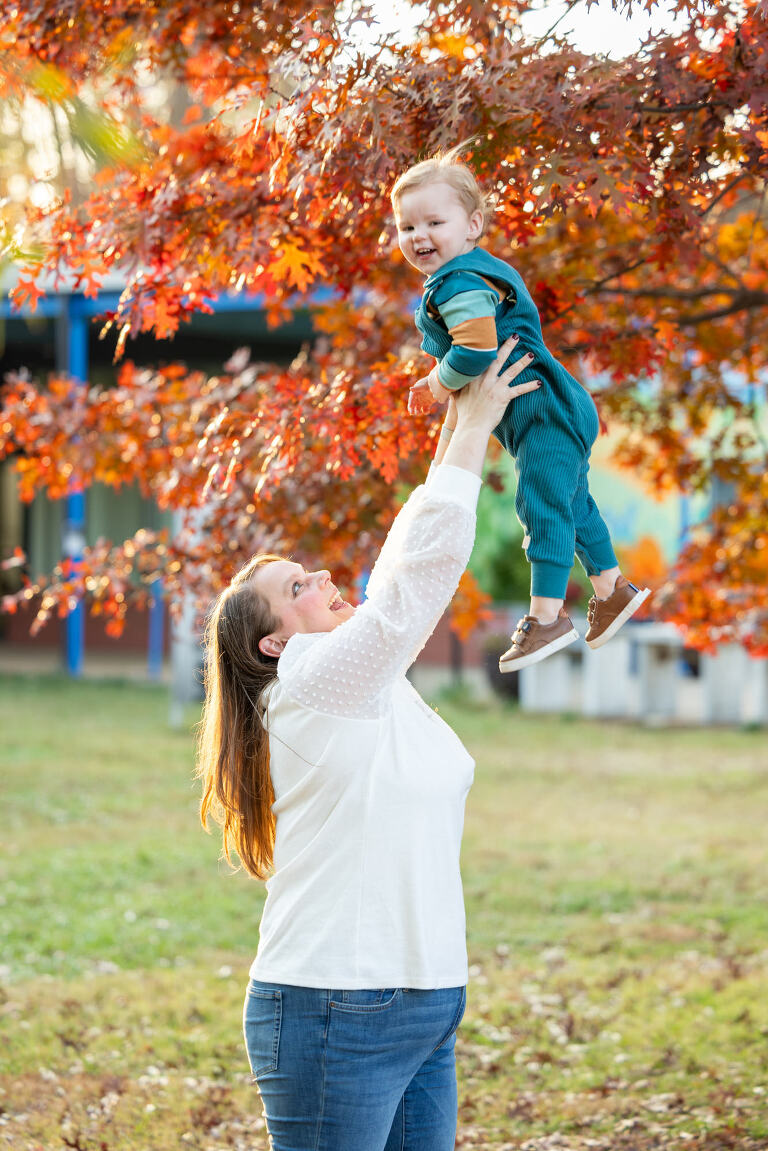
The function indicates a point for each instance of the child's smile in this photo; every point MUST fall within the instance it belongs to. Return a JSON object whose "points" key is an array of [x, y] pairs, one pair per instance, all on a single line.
{"points": [[433, 226]]}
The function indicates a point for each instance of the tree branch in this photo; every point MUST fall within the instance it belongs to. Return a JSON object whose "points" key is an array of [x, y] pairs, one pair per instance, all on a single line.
{"points": [[723, 192], [673, 109], [596, 286], [673, 293], [745, 302], [741, 300]]}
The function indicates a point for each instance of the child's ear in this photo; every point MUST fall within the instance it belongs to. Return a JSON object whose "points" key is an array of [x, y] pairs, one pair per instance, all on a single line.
{"points": [[476, 221]]}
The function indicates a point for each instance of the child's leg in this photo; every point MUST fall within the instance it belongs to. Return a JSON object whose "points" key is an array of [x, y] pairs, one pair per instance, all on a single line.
{"points": [[547, 469], [615, 600], [593, 541], [545, 608], [547, 480], [605, 581]]}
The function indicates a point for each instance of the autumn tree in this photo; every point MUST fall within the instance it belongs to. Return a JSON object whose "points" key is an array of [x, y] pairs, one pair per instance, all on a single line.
{"points": [[630, 194]]}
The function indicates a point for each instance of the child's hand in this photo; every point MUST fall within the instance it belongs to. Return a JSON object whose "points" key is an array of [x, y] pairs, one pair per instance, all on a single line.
{"points": [[420, 399]]}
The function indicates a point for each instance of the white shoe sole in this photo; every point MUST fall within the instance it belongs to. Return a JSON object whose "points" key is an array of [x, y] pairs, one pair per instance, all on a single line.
{"points": [[621, 619], [558, 644]]}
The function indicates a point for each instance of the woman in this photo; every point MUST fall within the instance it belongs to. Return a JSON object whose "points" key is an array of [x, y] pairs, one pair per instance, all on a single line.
{"points": [[316, 750]]}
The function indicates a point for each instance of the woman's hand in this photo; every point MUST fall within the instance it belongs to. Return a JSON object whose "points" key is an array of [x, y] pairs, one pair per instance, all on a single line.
{"points": [[479, 407], [484, 401]]}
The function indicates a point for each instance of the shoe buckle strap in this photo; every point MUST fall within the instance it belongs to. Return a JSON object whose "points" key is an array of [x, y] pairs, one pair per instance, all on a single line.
{"points": [[522, 634]]}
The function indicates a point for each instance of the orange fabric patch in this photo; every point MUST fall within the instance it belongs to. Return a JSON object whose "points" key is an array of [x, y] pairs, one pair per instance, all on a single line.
{"points": [[479, 332]]}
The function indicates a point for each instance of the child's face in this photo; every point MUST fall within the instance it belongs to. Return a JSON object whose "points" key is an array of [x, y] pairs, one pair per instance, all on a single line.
{"points": [[433, 226]]}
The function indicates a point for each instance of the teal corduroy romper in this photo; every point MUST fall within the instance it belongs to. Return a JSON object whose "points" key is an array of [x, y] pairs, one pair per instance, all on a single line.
{"points": [[548, 432]]}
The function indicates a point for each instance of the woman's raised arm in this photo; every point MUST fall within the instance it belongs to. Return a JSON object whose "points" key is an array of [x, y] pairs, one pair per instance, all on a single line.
{"points": [[349, 670]]}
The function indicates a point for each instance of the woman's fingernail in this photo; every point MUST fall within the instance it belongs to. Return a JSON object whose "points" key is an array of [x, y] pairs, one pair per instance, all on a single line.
{"points": [[515, 336], [529, 356]]}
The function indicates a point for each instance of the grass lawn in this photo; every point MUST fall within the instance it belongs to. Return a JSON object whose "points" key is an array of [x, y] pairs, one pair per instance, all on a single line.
{"points": [[617, 902]]}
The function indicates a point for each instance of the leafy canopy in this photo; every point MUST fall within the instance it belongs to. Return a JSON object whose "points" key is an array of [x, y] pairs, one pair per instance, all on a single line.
{"points": [[629, 193]]}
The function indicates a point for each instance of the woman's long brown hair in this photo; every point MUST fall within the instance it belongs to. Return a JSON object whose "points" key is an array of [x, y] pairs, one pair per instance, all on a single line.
{"points": [[232, 742]]}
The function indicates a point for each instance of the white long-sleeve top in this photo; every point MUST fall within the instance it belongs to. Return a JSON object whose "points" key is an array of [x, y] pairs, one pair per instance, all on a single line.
{"points": [[369, 782]]}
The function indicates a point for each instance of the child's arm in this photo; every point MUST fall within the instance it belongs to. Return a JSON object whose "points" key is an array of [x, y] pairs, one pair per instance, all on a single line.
{"points": [[470, 317]]}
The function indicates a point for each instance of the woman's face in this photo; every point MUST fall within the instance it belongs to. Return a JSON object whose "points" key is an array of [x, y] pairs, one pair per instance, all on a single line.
{"points": [[303, 602]]}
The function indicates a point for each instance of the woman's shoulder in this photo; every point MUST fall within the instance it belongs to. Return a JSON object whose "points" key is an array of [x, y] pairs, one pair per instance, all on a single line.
{"points": [[295, 647], [321, 678]]}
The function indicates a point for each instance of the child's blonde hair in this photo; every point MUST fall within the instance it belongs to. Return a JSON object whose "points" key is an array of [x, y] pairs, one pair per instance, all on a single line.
{"points": [[446, 168]]}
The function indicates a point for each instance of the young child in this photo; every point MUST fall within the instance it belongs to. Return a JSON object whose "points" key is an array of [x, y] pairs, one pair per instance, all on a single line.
{"points": [[472, 302]]}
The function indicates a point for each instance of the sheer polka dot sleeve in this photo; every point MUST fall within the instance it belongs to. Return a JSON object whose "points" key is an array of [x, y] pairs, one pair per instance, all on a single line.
{"points": [[350, 671]]}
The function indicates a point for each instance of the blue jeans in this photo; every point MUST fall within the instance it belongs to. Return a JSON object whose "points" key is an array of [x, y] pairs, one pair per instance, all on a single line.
{"points": [[355, 1070]]}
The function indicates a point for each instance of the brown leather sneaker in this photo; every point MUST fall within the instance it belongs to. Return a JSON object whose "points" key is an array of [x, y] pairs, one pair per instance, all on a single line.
{"points": [[533, 641], [606, 616]]}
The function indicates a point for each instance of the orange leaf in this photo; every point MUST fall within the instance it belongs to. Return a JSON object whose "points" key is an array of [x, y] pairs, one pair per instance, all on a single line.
{"points": [[469, 607], [296, 267], [26, 291]]}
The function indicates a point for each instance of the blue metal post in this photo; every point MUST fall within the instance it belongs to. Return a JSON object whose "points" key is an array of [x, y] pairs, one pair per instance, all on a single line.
{"points": [[156, 631], [75, 333]]}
